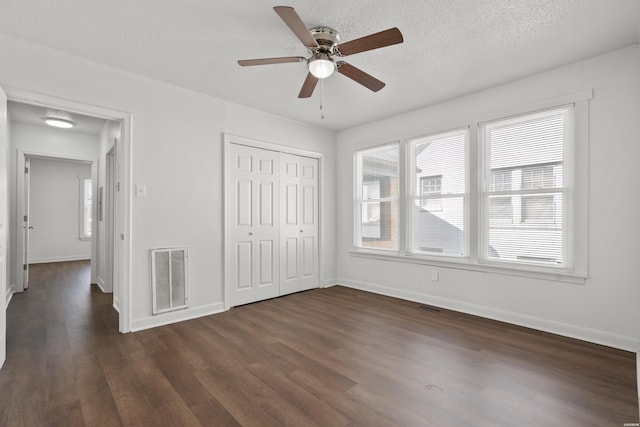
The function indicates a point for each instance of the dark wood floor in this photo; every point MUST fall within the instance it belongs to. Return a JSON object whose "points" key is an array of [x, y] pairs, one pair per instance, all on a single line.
{"points": [[331, 357]]}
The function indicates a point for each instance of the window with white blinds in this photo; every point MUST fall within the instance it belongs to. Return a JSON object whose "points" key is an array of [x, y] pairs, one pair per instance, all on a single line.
{"points": [[506, 194], [377, 198], [526, 196], [438, 198]]}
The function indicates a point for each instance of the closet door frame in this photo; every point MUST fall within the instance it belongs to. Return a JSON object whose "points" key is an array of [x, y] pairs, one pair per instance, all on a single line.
{"points": [[235, 139]]}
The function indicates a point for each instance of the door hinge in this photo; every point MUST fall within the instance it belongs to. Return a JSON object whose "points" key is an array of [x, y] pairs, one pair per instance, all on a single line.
{"points": [[25, 218], [26, 169], [117, 186], [122, 236], [24, 267]]}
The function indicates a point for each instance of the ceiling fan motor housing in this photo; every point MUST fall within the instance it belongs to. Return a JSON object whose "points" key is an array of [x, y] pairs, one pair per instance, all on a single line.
{"points": [[327, 39]]}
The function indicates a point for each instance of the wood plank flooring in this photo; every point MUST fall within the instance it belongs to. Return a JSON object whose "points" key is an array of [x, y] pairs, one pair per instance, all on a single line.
{"points": [[327, 357]]}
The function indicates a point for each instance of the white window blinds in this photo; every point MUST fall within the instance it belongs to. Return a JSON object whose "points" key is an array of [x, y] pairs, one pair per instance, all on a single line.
{"points": [[526, 194], [437, 203]]}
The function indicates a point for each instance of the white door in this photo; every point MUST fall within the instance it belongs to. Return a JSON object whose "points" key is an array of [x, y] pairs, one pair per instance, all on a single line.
{"points": [[298, 224], [253, 226], [3, 228], [26, 226]]}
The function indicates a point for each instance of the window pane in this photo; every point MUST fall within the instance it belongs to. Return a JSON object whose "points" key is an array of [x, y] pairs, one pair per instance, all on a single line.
{"points": [[439, 169], [383, 232], [525, 155], [500, 210], [439, 165], [378, 204], [380, 173], [440, 232]]}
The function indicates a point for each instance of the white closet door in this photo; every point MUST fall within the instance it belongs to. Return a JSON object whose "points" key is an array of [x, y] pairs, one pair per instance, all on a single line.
{"points": [[253, 235], [299, 223]]}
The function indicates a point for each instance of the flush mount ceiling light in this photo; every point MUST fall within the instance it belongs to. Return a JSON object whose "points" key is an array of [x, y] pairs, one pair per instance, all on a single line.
{"points": [[58, 122], [321, 65], [58, 118]]}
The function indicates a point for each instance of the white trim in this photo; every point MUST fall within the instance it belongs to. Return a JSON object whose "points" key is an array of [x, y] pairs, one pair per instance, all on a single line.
{"points": [[329, 283], [10, 291], [565, 329], [21, 161], [43, 260], [464, 264], [228, 139], [101, 284], [176, 316], [255, 143], [125, 275]]}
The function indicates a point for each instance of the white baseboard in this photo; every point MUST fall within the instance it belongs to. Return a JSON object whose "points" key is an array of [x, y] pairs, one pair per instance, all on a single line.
{"points": [[176, 316], [100, 284], [116, 303], [43, 260], [10, 291], [329, 283], [568, 330]]}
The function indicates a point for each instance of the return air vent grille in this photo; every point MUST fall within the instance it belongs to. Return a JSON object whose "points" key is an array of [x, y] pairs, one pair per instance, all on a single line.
{"points": [[169, 279]]}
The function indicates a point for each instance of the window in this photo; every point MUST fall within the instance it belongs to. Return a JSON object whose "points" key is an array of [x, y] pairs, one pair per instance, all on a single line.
{"points": [[501, 195], [527, 200], [438, 204], [377, 198], [86, 199]]}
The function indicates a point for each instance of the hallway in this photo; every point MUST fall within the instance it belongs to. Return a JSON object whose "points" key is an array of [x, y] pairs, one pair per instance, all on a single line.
{"points": [[58, 331]]}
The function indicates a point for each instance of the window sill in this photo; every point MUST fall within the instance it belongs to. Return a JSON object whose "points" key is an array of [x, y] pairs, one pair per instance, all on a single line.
{"points": [[466, 264]]}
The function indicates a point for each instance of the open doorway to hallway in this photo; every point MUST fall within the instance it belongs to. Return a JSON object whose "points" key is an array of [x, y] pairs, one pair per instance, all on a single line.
{"points": [[58, 207]]}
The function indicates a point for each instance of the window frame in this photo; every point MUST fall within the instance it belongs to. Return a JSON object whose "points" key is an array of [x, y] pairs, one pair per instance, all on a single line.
{"points": [[568, 209], [410, 165], [359, 201], [576, 178]]}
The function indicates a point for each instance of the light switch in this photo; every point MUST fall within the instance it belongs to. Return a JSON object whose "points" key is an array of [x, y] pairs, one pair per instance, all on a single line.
{"points": [[141, 190]]}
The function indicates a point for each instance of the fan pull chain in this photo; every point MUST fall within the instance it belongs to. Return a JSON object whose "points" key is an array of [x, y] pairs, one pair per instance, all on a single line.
{"points": [[321, 98]]}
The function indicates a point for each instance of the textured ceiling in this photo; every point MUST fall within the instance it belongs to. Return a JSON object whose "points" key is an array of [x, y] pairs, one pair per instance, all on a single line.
{"points": [[451, 47]]}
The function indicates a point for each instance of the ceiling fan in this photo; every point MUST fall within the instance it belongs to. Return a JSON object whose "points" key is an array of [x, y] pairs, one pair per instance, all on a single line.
{"points": [[324, 45]]}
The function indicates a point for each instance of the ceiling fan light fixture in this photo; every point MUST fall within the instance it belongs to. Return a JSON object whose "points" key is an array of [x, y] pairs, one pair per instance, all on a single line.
{"points": [[58, 122], [321, 66]]}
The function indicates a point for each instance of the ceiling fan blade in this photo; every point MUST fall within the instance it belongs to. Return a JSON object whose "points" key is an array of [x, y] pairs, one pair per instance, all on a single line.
{"points": [[372, 41], [359, 76], [308, 86], [267, 61], [293, 21]]}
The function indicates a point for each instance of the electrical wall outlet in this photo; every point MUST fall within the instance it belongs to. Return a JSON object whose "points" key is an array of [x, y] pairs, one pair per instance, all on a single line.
{"points": [[434, 275]]}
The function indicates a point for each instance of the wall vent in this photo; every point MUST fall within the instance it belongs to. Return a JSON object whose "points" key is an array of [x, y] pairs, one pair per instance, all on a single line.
{"points": [[169, 279]]}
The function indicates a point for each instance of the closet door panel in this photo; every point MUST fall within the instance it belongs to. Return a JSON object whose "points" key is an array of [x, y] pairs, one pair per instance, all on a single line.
{"points": [[253, 236]]}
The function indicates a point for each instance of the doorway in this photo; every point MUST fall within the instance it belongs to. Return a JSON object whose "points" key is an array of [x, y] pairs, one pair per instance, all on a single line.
{"points": [[118, 204], [55, 214]]}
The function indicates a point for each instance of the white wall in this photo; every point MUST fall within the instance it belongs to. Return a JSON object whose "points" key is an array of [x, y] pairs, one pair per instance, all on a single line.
{"points": [[55, 202], [177, 154], [45, 140], [605, 308]]}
